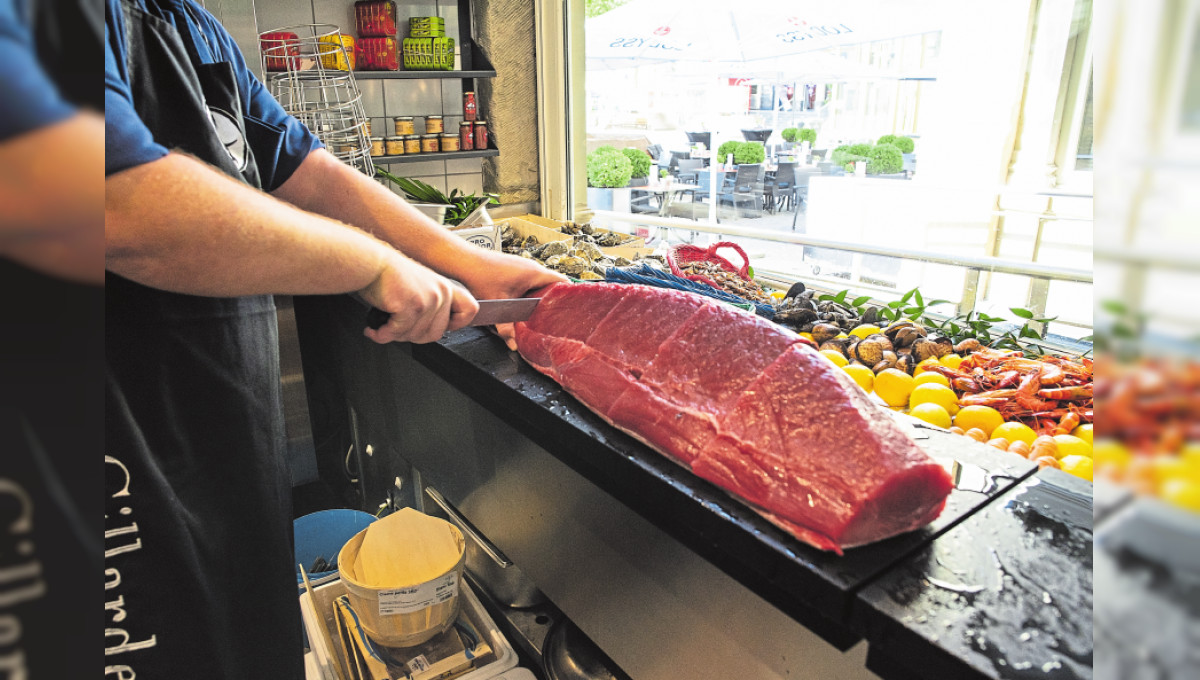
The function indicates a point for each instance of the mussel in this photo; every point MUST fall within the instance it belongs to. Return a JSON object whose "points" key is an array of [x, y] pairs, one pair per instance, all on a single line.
{"points": [[923, 349], [824, 331]]}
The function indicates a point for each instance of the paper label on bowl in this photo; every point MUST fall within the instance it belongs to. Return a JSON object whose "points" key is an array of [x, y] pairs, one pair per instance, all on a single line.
{"points": [[416, 598]]}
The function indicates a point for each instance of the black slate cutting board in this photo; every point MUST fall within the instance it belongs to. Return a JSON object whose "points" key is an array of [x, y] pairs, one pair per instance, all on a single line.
{"points": [[813, 586], [1005, 594]]}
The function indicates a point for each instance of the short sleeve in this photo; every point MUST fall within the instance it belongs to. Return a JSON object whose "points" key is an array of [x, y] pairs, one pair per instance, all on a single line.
{"points": [[28, 99], [127, 140], [276, 158]]}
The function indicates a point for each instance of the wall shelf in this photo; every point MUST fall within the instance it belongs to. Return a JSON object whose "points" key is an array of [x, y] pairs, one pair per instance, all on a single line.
{"points": [[416, 75], [435, 156]]}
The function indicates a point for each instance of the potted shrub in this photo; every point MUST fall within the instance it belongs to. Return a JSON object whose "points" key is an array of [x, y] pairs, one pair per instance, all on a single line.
{"points": [[608, 173], [885, 159], [725, 149], [905, 144], [640, 166], [807, 135], [886, 139], [846, 154], [749, 152], [790, 136]]}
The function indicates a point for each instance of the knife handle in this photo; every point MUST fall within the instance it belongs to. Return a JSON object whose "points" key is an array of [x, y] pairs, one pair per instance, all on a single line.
{"points": [[376, 318]]}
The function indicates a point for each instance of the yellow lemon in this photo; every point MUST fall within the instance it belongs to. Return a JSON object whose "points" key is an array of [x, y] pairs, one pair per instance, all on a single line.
{"points": [[985, 418], [1168, 467], [807, 336], [1084, 432], [841, 335], [931, 413], [865, 330], [924, 366], [1190, 455], [931, 377], [862, 375], [1015, 432], [1080, 466], [835, 356], [1184, 493], [1070, 445], [933, 393], [893, 386], [951, 361], [1111, 452]]}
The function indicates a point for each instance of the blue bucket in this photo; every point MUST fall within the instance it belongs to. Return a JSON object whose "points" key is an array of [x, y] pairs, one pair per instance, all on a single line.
{"points": [[322, 535]]}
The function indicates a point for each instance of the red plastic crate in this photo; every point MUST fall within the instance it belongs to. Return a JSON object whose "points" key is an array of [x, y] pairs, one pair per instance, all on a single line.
{"points": [[378, 54], [279, 46], [375, 18]]}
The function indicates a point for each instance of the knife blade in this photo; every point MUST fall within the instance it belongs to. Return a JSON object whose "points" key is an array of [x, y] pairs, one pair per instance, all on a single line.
{"points": [[491, 312]]}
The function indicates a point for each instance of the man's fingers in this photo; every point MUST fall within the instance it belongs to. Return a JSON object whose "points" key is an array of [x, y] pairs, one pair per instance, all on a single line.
{"points": [[463, 308], [508, 333]]}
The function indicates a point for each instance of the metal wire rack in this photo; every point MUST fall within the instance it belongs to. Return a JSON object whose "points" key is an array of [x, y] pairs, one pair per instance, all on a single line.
{"points": [[310, 71]]}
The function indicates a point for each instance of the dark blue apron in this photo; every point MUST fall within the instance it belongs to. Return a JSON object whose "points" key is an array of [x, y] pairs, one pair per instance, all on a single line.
{"points": [[198, 498], [51, 422]]}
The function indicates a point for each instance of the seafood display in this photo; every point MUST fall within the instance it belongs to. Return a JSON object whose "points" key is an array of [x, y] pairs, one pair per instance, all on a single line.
{"points": [[741, 402], [1052, 395], [1149, 435], [579, 257], [727, 281]]}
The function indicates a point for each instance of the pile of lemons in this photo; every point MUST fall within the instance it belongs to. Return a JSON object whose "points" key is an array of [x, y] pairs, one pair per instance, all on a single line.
{"points": [[927, 395], [1174, 477]]}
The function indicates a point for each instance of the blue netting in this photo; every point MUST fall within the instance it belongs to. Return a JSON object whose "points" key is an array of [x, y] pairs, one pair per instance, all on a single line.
{"points": [[649, 276]]}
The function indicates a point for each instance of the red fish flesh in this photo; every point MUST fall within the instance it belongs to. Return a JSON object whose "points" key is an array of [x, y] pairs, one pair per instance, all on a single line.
{"points": [[744, 403]]}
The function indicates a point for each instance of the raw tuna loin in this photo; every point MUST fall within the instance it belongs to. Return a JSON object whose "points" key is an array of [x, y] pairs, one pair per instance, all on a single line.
{"points": [[743, 403]]}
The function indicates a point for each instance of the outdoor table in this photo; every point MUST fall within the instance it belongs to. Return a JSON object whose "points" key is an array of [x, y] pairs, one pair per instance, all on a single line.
{"points": [[667, 192]]}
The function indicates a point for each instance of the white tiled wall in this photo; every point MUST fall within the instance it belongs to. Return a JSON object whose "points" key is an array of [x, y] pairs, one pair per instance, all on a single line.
{"points": [[384, 99]]}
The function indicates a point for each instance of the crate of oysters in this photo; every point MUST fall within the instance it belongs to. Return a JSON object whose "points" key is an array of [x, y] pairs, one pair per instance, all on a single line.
{"points": [[604, 238], [577, 255]]}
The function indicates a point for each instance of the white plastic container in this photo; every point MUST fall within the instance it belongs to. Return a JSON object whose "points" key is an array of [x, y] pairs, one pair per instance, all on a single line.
{"points": [[409, 615], [323, 658]]}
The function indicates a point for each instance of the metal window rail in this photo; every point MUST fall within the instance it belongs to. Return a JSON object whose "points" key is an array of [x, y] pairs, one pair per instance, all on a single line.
{"points": [[1040, 275]]}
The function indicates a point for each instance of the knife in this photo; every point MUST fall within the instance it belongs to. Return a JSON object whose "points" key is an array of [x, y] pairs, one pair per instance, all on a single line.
{"points": [[491, 312]]}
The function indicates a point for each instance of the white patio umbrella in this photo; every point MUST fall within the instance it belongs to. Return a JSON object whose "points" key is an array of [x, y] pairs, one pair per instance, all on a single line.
{"points": [[646, 31]]}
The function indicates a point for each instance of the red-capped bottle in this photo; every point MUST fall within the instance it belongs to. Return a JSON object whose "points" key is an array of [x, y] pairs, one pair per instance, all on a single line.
{"points": [[470, 110]]}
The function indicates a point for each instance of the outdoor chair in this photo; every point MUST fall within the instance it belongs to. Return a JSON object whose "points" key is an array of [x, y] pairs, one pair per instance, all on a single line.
{"points": [[781, 190], [643, 202], [655, 152], [704, 138], [677, 156], [747, 185], [761, 135], [688, 168]]}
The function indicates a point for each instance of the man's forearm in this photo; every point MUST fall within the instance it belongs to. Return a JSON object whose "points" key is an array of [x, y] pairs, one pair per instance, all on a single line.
{"points": [[180, 225], [325, 185], [50, 194]]}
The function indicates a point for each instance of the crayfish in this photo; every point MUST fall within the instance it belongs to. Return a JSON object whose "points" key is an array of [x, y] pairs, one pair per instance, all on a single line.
{"points": [[1052, 395]]}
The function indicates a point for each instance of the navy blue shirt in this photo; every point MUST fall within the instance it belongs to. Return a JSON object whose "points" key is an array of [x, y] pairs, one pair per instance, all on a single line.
{"points": [[129, 143], [28, 100]]}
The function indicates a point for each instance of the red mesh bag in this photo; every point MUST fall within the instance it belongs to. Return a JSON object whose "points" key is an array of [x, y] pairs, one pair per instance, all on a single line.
{"points": [[689, 253]]}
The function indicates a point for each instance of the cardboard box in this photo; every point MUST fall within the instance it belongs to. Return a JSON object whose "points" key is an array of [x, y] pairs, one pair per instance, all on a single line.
{"points": [[524, 229], [486, 237], [542, 221], [631, 252]]}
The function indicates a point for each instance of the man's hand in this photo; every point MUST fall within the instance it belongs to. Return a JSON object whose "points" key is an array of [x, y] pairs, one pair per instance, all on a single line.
{"points": [[499, 276], [423, 305]]}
